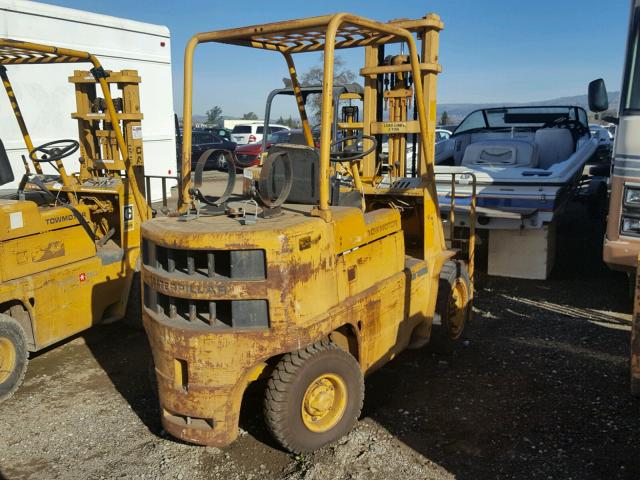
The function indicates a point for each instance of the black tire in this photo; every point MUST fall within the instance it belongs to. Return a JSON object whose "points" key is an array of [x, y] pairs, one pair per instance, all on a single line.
{"points": [[133, 312], [13, 362], [445, 336], [597, 203], [635, 352], [293, 376], [631, 285]]}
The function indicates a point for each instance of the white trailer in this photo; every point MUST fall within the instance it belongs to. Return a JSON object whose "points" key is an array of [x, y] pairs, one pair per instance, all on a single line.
{"points": [[120, 44]]}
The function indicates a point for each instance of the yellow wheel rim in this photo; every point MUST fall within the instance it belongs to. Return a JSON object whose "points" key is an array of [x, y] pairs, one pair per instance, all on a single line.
{"points": [[7, 359], [324, 402], [457, 308]]}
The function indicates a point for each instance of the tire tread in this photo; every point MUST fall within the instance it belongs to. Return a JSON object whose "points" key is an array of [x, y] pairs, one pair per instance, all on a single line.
{"points": [[22, 352], [276, 395]]}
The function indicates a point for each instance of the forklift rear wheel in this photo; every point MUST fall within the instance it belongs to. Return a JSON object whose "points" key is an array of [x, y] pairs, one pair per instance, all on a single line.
{"points": [[13, 356], [453, 305], [314, 396]]}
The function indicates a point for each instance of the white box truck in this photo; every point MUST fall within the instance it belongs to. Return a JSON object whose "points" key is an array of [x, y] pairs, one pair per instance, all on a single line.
{"points": [[120, 44]]}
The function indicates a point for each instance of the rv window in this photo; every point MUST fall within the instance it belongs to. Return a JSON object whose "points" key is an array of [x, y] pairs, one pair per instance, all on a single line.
{"points": [[631, 94]]}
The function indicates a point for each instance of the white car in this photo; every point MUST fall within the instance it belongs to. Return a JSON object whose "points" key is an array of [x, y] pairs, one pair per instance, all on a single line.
{"points": [[442, 134], [252, 132]]}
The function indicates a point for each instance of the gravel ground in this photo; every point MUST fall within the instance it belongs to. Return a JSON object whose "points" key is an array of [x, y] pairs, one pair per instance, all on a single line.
{"points": [[537, 390]]}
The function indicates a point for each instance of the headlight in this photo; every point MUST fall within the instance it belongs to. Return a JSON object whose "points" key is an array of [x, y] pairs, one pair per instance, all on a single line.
{"points": [[631, 226], [632, 197]]}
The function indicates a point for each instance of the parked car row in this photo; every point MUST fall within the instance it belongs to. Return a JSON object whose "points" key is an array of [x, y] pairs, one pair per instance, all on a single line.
{"points": [[253, 132], [202, 141], [246, 142], [221, 139], [249, 155]]}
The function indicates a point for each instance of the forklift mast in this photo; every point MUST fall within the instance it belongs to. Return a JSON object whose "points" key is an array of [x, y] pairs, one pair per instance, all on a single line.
{"points": [[114, 154]]}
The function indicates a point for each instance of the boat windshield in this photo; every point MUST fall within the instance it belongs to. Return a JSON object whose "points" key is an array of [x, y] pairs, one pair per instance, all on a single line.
{"points": [[519, 117]]}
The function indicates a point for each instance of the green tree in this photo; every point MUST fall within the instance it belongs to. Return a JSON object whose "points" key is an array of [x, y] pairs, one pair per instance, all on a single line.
{"points": [[289, 122], [444, 118], [250, 116], [341, 75], [215, 117]]}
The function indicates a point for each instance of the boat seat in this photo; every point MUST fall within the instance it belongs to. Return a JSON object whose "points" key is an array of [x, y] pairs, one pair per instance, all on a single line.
{"points": [[554, 145], [460, 145], [501, 153], [491, 135]]}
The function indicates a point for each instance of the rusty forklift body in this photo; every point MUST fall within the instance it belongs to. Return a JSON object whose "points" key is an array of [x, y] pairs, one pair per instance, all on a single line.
{"points": [[69, 242], [310, 296]]}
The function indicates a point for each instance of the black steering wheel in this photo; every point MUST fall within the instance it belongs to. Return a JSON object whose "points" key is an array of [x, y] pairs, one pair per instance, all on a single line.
{"points": [[351, 153], [574, 126], [56, 150]]}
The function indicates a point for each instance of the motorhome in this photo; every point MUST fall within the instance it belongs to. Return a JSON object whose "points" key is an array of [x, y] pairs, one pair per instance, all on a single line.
{"points": [[622, 238]]}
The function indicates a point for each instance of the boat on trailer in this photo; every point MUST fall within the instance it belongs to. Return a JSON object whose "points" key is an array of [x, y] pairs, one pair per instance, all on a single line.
{"points": [[527, 163]]}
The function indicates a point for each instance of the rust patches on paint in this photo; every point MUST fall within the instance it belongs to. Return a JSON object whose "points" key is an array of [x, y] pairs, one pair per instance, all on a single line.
{"points": [[51, 250]]}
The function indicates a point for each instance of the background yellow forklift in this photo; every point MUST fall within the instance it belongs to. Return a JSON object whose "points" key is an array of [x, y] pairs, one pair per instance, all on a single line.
{"points": [[69, 243], [311, 294]]}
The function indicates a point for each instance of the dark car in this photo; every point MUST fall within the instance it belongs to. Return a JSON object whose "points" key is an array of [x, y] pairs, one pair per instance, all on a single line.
{"points": [[223, 133], [203, 141]]}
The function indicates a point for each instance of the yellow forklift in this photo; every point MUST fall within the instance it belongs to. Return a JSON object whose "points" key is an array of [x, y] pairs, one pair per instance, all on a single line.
{"points": [[70, 243], [308, 285]]}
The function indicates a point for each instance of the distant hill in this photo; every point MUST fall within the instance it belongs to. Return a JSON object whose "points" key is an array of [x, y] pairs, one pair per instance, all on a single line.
{"points": [[457, 111]]}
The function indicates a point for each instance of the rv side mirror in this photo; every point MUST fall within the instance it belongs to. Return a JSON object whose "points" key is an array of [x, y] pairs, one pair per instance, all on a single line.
{"points": [[598, 100], [6, 172]]}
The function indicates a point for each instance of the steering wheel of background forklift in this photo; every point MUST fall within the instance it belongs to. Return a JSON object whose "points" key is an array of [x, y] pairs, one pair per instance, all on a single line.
{"points": [[56, 150], [349, 155], [197, 180]]}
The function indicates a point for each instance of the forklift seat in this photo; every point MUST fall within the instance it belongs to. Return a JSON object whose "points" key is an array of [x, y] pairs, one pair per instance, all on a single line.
{"points": [[6, 172], [39, 198], [305, 164]]}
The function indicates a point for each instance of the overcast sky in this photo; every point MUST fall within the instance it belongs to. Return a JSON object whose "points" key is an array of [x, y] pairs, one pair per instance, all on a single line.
{"points": [[491, 50]]}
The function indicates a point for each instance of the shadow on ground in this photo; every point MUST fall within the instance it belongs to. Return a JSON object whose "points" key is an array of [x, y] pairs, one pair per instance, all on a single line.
{"points": [[125, 356], [541, 390]]}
